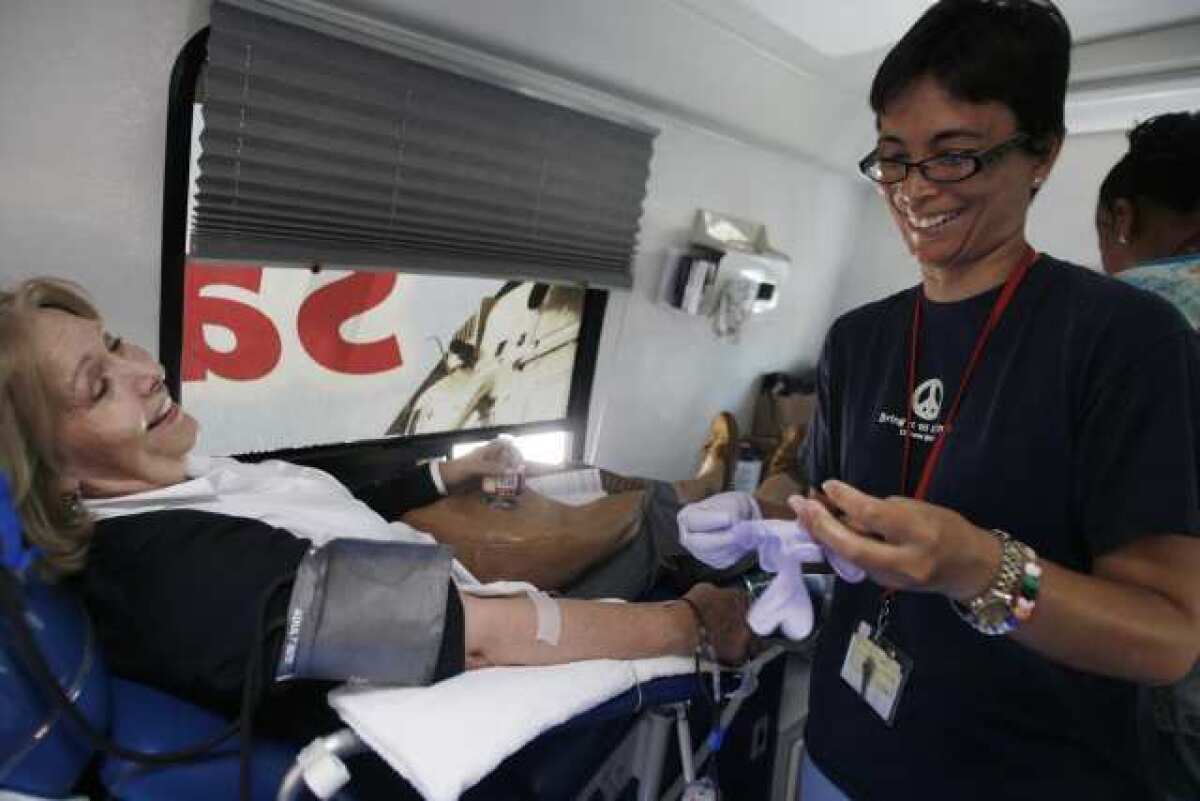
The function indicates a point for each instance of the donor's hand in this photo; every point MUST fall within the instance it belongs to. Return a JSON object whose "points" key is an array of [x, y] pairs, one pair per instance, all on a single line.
{"points": [[723, 614], [496, 458]]}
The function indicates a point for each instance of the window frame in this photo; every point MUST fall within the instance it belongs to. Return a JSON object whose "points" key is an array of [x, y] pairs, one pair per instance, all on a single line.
{"points": [[353, 462]]}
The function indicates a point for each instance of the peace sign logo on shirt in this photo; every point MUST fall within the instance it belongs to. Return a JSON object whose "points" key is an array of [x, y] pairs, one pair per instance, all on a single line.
{"points": [[927, 400]]}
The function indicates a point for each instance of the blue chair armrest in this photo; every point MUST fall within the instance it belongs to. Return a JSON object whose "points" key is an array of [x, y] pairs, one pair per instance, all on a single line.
{"points": [[148, 720]]}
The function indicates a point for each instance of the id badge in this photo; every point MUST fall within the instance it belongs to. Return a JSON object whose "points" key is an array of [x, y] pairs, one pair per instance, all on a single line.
{"points": [[877, 671]]}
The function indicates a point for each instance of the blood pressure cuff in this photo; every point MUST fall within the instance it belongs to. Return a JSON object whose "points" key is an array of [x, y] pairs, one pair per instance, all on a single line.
{"points": [[380, 612]]}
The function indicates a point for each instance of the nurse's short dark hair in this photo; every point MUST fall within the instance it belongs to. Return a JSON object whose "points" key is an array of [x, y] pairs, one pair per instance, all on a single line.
{"points": [[1015, 52]]}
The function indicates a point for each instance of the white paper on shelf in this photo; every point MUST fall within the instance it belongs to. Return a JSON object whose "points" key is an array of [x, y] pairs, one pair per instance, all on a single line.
{"points": [[572, 487]]}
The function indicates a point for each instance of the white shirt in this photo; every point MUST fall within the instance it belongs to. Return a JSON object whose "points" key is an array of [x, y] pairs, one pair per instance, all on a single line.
{"points": [[305, 501]]}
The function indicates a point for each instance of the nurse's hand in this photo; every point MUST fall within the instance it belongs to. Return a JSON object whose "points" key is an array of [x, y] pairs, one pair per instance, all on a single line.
{"points": [[902, 543], [497, 457]]}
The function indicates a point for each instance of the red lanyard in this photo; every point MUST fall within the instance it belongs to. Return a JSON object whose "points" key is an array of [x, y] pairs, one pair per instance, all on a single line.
{"points": [[1002, 302]]}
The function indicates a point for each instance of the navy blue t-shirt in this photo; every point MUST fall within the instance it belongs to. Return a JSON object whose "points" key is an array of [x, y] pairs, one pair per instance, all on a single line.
{"points": [[1078, 433]]}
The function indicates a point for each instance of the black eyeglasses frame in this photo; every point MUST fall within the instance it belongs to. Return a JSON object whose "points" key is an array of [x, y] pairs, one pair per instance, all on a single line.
{"points": [[980, 160]]}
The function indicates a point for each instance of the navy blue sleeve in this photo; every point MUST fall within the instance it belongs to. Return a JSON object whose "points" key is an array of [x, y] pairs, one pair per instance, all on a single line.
{"points": [[392, 497], [175, 597], [820, 452], [1138, 460]]}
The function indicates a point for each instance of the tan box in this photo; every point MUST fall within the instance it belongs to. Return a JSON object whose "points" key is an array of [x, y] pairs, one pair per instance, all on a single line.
{"points": [[774, 412]]}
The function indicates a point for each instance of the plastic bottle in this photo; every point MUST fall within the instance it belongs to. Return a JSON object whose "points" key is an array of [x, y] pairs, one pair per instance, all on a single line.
{"points": [[748, 469]]}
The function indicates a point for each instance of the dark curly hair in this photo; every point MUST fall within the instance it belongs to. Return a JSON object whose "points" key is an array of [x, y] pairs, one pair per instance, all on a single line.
{"points": [[1162, 165], [1016, 52]]}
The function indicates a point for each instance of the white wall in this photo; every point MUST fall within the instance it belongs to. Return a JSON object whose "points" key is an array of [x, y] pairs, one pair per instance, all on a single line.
{"points": [[82, 130], [81, 161], [662, 375], [1062, 218], [880, 264]]}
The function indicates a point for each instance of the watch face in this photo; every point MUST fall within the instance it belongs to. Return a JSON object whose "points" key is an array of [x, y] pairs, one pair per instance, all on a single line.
{"points": [[993, 612]]}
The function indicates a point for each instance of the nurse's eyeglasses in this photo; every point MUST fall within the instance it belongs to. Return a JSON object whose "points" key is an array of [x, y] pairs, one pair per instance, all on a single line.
{"points": [[944, 169]]}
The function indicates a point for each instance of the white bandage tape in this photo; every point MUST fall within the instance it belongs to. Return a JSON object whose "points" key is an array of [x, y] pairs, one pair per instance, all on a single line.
{"points": [[549, 617], [323, 771]]}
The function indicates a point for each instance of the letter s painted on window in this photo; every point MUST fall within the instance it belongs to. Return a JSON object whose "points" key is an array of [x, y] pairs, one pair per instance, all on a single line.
{"points": [[323, 312], [258, 347]]}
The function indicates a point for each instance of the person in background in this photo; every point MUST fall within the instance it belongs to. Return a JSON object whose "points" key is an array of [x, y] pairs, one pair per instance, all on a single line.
{"points": [[1009, 449], [1148, 222], [1148, 214]]}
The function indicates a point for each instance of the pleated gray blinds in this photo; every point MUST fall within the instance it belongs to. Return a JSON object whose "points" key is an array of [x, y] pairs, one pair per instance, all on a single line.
{"points": [[317, 149]]}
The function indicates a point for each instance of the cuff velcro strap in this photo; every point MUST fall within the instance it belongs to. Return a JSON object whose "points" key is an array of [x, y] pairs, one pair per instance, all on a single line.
{"points": [[363, 610]]}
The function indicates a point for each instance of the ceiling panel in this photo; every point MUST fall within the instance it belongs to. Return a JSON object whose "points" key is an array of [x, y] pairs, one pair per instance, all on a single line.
{"points": [[844, 28], [1092, 19], [852, 27]]}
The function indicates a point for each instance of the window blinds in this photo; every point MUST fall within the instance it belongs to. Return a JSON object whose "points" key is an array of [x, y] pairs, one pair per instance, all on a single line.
{"points": [[317, 149]]}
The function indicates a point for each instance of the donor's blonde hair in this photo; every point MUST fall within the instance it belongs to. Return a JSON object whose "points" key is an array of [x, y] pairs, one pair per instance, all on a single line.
{"points": [[56, 524]]}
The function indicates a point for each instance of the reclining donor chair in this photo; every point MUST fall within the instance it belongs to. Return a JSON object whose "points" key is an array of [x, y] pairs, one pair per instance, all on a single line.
{"points": [[620, 748]]}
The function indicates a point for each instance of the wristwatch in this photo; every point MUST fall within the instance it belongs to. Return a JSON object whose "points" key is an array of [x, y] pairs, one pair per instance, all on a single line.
{"points": [[992, 611]]}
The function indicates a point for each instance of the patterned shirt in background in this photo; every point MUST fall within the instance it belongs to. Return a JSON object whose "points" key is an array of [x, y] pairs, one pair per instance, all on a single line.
{"points": [[1176, 708], [1176, 279]]}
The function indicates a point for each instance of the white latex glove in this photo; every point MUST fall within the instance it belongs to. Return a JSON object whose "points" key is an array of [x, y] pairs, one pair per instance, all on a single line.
{"points": [[785, 605], [711, 533], [706, 528], [781, 543]]}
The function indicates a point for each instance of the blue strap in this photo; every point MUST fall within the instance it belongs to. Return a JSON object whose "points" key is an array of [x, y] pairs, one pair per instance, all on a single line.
{"points": [[13, 553]]}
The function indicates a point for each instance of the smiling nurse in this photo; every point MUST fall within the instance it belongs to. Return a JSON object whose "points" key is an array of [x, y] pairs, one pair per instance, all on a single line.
{"points": [[965, 234], [1009, 449]]}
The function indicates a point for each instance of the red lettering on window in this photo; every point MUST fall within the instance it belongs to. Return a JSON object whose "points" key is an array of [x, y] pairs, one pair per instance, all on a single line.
{"points": [[323, 312], [257, 347]]}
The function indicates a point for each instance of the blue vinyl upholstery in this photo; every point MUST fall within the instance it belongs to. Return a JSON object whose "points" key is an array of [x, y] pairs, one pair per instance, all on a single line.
{"points": [[42, 754], [146, 719]]}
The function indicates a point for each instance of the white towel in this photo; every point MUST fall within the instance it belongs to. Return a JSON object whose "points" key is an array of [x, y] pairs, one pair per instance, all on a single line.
{"points": [[447, 737]]}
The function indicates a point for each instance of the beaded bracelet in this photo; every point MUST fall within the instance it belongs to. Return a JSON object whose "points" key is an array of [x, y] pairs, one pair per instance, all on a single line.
{"points": [[1025, 597]]}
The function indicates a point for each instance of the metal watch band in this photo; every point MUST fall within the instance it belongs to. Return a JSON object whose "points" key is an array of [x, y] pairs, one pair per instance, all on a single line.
{"points": [[990, 611]]}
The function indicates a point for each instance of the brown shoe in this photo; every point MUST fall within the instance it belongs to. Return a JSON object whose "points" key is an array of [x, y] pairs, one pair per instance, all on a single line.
{"points": [[718, 455], [785, 459]]}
